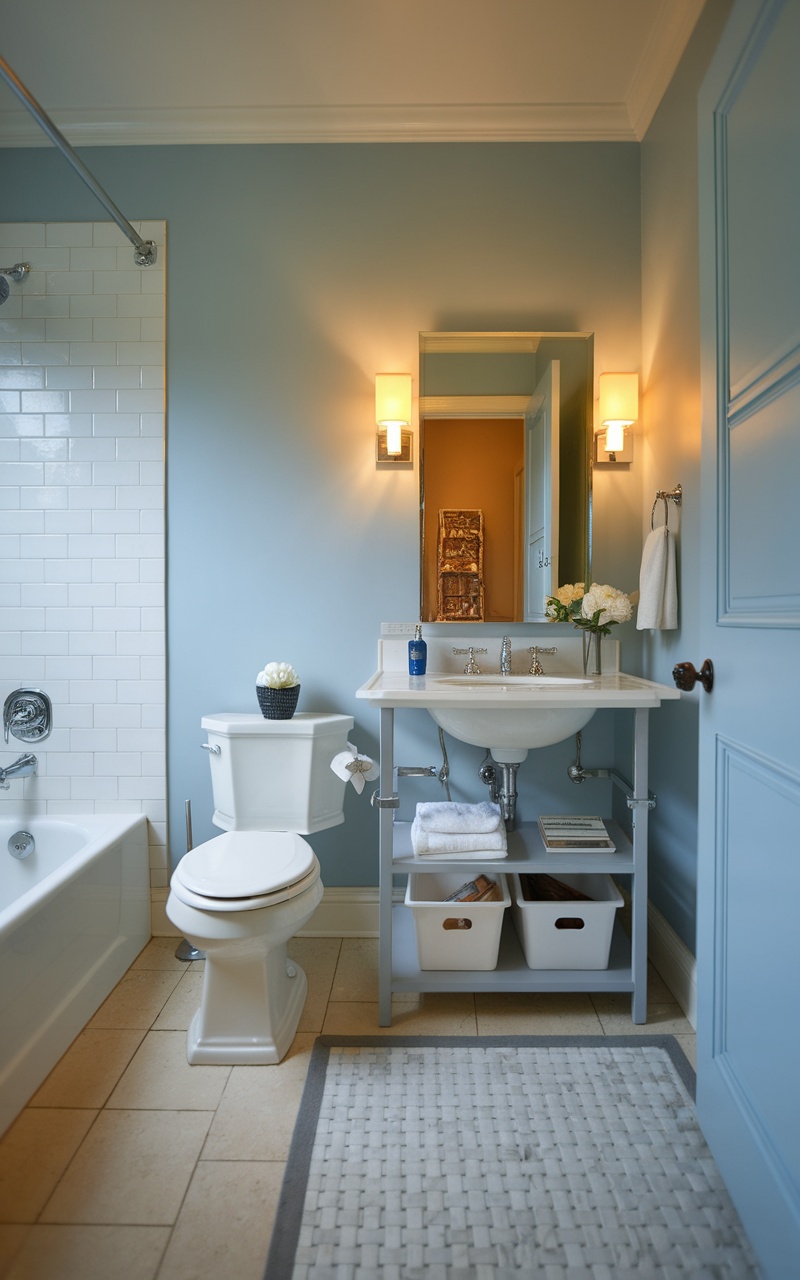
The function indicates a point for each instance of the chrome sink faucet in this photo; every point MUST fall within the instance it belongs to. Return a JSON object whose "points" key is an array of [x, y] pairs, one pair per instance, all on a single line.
{"points": [[505, 656]]}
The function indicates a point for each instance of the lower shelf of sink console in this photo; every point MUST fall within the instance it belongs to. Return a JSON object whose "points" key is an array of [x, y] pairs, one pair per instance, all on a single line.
{"points": [[512, 972]]}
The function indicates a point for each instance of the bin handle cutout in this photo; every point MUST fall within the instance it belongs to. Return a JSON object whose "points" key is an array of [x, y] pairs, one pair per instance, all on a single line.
{"points": [[570, 922], [456, 922]]}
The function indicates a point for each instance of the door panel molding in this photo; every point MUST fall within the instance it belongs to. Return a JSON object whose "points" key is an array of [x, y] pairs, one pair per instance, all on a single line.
{"points": [[755, 791], [754, 588]]}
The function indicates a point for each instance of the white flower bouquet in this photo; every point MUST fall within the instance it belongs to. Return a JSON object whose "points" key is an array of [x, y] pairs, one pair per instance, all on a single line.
{"points": [[596, 608], [277, 675]]}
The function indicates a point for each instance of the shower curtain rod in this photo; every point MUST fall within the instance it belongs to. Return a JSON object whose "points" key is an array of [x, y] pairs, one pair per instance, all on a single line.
{"points": [[145, 251]]}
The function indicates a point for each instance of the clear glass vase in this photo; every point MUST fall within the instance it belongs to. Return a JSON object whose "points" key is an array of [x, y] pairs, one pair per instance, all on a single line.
{"points": [[592, 642]]}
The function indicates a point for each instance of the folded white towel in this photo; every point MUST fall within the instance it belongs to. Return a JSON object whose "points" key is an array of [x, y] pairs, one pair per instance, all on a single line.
{"points": [[448, 815], [458, 844], [474, 855], [658, 595]]}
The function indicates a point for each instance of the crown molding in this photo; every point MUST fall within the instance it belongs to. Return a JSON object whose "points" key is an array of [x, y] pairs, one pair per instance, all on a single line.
{"points": [[531, 122], [669, 37]]}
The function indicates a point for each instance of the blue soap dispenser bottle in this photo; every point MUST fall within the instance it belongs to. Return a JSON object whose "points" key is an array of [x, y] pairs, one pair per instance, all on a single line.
{"points": [[417, 653]]}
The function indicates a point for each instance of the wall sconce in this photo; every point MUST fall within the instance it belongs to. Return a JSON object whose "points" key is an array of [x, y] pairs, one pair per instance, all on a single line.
{"points": [[393, 416], [619, 408]]}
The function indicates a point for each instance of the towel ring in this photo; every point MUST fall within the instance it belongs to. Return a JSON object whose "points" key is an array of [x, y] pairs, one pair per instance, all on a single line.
{"points": [[666, 496]]}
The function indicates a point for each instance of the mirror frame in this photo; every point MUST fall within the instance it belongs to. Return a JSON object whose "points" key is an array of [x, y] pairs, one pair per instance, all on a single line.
{"points": [[488, 342]]}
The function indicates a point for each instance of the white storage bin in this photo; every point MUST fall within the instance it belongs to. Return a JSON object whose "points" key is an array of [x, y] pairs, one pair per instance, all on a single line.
{"points": [[549, 942], [455, 935]]}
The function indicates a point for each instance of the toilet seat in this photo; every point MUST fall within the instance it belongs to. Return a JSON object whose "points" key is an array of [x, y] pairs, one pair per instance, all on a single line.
{"points": [[245, 870]]}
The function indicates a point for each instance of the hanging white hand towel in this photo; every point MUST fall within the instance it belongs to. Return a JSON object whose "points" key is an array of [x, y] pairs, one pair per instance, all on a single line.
{"points": [[658, 594]]}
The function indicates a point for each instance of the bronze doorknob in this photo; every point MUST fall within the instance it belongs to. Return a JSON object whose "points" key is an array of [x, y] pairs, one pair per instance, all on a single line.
{"points": [[686, 677]]}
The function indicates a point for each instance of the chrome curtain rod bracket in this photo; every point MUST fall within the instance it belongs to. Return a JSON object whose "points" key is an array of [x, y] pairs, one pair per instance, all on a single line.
{"points": [[145, 251]]}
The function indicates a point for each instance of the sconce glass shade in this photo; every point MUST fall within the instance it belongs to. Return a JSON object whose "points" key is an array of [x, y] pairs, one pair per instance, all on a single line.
{"points": [[619, 407], [615, 438], [393, 407]]}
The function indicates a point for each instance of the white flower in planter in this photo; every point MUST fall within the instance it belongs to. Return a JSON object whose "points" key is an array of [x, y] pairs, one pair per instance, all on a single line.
{"points": [[278, 675]]}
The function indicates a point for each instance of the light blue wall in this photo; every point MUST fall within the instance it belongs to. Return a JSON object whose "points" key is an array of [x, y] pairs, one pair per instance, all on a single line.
{"points": [[671, 413], [294, 273]]}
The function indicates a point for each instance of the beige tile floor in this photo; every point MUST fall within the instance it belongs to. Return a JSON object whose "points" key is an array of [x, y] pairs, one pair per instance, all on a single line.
{"points": [[128, 1163]]}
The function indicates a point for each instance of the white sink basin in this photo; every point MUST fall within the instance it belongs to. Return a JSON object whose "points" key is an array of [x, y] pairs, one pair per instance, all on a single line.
{"points": [[511, 731]]}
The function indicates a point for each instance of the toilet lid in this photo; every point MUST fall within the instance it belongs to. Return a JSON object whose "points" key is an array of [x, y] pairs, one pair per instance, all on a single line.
{"points": [[246, 864]]}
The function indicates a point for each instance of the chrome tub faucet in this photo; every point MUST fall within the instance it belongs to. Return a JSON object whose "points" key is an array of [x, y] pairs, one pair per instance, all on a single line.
{"points": [[22, 767]]}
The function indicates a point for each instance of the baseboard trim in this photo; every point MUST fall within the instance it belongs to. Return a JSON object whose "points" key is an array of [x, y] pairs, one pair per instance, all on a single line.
{"points": [[352, 912], [673, 961], [349, 912]]}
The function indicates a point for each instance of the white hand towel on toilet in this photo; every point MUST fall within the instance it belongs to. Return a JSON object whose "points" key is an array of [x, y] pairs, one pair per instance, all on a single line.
{"points": [[658, 594]]}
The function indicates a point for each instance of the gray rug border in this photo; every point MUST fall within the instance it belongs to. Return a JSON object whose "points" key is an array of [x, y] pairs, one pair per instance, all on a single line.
{"points": [[289, 1212]]}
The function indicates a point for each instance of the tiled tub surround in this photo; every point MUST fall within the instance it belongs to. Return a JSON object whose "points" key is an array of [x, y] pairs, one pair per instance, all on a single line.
{"points": [[82, 518]]}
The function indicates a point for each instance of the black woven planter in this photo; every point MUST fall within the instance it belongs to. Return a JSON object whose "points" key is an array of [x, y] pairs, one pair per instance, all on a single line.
{"points": [[278, 704]]}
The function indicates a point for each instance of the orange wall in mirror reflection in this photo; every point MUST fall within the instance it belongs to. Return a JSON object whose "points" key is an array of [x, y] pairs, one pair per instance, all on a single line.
{"points": [[477, 463]]}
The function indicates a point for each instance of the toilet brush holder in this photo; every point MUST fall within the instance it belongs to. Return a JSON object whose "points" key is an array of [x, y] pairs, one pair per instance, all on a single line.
{"points": [[278, 704]]}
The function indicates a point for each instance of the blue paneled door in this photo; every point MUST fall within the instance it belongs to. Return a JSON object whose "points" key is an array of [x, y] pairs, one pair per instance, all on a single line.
{"points": [[748, 943]]}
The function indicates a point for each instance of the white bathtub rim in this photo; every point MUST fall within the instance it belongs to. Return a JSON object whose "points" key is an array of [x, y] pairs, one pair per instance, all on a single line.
{"points": [[102, 830]]}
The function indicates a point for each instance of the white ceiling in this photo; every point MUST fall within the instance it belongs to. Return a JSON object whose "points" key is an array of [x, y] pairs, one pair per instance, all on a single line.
{"points": [[175, 71]]}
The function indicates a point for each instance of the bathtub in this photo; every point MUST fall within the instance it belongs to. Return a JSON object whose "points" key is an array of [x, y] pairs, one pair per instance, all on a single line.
{"points": [[74, 914]]}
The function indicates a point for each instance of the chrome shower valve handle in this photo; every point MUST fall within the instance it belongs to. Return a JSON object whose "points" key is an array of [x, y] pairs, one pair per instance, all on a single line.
{"points": [[27, 715]]}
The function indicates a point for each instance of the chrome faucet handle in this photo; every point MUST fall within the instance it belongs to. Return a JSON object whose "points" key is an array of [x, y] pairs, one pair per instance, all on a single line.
{"points": [[472, 668], [536, 668]]}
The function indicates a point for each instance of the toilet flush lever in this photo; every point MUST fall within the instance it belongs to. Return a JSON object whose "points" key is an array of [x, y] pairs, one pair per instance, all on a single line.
{"points": [[212, 747]]}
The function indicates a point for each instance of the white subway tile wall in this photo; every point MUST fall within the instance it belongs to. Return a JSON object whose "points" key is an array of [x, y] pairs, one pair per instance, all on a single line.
{"points": [[82, 518]]}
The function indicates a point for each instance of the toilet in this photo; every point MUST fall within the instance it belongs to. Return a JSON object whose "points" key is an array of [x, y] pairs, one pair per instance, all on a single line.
{"points": [[242, 895]]}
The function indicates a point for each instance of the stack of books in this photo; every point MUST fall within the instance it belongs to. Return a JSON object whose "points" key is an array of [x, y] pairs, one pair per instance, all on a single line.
{"points": [[584, 834], [481, 889]]}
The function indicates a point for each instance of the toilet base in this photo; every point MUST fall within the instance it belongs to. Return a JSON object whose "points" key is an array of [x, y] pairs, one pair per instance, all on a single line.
{"points": [[266, 997]]}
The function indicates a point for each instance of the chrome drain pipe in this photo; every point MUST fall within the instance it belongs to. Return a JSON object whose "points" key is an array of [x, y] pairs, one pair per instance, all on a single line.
{"points": [[504, 791]]}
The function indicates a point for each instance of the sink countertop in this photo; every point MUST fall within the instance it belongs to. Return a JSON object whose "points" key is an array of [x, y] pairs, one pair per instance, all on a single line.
{"points": [[398, 689]]}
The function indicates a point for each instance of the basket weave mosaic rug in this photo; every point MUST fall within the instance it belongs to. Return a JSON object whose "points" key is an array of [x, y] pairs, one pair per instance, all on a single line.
{"points": [[483, 1159]]}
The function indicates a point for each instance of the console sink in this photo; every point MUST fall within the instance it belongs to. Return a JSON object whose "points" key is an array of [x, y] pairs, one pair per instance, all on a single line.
{"points": [[509, 715]]}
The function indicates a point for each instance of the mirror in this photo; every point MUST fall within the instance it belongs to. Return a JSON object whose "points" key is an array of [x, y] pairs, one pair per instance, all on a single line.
{"points": [[505, 423]]}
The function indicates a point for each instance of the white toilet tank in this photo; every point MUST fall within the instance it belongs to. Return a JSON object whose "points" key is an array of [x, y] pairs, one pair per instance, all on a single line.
{"points": [[275, 775]]}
